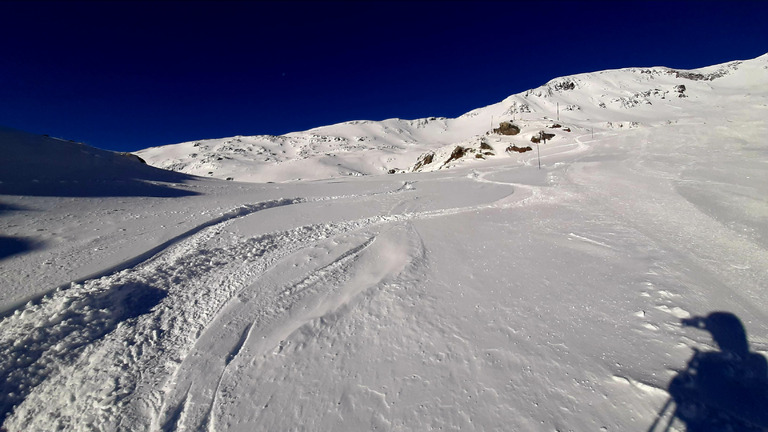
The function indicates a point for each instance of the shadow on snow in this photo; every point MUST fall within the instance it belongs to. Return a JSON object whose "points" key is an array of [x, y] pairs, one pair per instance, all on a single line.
{"points": [[725, 390], [10, 246]]}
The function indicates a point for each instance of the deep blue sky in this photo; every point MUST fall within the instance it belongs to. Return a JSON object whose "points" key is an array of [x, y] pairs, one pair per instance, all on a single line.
{"points": [[126, 76]]}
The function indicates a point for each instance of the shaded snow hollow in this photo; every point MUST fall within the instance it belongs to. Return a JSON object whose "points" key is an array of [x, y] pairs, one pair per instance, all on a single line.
{"points": [[490, 296]]}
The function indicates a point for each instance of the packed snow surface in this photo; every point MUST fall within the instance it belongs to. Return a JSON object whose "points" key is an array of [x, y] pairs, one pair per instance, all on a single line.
{"points": [[481, 293]]}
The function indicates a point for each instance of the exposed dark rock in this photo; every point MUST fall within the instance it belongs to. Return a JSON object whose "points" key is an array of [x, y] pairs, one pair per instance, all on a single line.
{"points": [[695, 76], [425, 159], [565, 85], [507, 128], [457, 153], [545, 136], [514, 148]]}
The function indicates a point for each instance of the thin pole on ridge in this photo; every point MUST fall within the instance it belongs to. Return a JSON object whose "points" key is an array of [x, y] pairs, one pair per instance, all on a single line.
{"points": [[538, 152]]}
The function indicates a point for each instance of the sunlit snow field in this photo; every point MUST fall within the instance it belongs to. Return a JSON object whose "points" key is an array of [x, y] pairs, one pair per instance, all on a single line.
{"points": [[490, 294]]}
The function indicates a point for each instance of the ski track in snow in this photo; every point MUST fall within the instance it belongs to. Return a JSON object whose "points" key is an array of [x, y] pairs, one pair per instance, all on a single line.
{"points": [[58, 326], [99, 354], [187, 283], [241, 211]]}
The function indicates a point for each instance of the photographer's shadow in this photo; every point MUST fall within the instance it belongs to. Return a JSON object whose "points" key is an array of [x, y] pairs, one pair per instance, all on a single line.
{"points": [[724, 390]]}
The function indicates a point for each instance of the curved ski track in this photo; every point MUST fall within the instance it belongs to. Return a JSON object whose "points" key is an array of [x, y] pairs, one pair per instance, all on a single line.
{"points": [[99, 354]]}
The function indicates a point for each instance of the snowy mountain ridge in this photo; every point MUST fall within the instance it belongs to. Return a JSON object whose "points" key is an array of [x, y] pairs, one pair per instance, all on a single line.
{"points": [[629, 97]]}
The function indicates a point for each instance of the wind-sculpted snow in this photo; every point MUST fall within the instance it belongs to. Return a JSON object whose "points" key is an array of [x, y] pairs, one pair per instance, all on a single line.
{"points": [[476, 294]]}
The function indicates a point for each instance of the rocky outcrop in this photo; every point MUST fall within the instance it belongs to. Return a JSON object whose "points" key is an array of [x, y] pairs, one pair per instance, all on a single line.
{"points": [[456, 154], [425, 159], [542, 136], [514, 148], [485, 146], [507, 128]]}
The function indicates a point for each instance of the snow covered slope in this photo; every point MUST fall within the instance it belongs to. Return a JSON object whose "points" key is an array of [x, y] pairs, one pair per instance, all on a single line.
{"points": [[625, 98], [491, 296], [41, 165]]}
